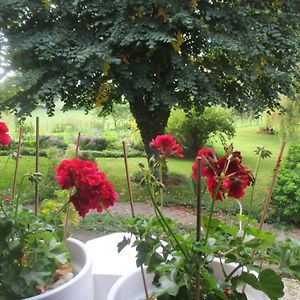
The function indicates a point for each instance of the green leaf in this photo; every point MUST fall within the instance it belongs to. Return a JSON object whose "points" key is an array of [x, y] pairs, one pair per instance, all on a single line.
{"points": [[125, 242], [271, 284]]}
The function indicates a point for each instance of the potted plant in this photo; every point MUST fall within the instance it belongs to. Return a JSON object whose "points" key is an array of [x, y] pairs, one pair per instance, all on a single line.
{"points": [[217, 260], [35, 254]]}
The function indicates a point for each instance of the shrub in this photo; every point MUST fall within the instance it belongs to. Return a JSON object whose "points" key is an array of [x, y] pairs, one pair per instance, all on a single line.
{"points": [[47, 141], [193, 131], [31, 151], [113, 153], [87, 155], [286, 195], [93, 143]]}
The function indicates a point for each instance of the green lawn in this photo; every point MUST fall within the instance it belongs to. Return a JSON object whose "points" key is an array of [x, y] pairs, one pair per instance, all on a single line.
{"points": [[245, 141]]}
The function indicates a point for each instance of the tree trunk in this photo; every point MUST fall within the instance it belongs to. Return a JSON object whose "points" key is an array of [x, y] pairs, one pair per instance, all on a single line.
{"points": [[150, 122]]}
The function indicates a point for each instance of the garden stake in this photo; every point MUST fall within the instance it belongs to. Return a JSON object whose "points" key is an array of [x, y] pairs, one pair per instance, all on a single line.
{"points": [[68, 205], [132, 210], [269, 196], [198, 220], [128, 180], [37, 154], [17, 164]]}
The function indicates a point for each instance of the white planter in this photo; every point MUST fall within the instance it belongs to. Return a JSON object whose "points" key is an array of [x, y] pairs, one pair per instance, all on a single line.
{"points": [[81, 286], [130, 286]]}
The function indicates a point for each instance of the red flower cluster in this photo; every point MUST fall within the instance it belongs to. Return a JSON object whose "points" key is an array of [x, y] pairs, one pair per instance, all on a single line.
{"points": [[93, 190], [166, 145], [4, 137], [228, 169]]}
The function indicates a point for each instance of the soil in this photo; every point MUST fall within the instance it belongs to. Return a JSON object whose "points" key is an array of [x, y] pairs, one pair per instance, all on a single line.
{"points": [[187, 217]]}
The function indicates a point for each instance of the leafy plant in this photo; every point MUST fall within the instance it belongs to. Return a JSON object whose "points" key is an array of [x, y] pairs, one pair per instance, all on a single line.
{"points": [[286, 195], [30, 251], [180, 259]]}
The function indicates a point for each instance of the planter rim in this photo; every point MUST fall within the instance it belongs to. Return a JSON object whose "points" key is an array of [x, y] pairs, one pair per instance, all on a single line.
{"points": [[77, 277]]}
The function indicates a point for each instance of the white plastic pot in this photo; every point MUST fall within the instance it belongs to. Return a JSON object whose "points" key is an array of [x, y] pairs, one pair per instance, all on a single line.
{"points": [[81, 286], [130, 286]]}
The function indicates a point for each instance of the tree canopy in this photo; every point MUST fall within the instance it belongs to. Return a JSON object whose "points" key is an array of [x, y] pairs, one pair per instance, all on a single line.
{"points": [[156, 54]]}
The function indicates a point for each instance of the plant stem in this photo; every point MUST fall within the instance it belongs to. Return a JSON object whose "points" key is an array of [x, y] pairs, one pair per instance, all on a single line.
{"points": [[17, 164], [61, 209], [3, 210], [269, 196], [198, 225], [160, 174], [232, 272], [37, 162], [18, 196], [254, 184], [169, 230], [66, 225], [212, 209]]}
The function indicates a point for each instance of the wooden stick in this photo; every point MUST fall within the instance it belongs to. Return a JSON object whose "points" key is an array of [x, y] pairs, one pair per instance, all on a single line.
{"points": [[132, 211], [198, 220], [128, 180], [37, 169], [14, 188], [68, 205], [269, 196]]}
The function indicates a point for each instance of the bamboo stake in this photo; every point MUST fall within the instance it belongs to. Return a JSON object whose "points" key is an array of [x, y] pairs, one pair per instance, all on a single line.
{"points": [[14, 188], [132, 211], [37, 169], [68, 205], [128, 180], [269, 196], [198, 220]]}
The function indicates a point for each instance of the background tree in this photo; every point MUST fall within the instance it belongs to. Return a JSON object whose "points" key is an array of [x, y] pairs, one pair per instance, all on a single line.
{"points": [[285, 122], [157, 54]]}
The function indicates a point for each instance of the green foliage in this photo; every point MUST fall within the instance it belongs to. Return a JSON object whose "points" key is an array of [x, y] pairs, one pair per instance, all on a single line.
{"points": [[102, 223], [286, 194], [156, 53], [175, 272], [193, 131], [114, 153], [285, 122], [47, 141], [30, 252], [93, 143]]}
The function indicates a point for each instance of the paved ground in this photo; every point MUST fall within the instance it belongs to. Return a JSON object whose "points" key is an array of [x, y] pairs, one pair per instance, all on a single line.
{"points": [[186, 216]]}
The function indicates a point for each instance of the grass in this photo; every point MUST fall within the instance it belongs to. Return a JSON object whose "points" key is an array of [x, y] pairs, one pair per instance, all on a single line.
{"points": [[246, 140]]}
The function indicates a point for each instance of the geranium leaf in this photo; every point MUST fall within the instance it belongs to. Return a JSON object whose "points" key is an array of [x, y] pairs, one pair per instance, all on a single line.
{"points": [[271, 284]]}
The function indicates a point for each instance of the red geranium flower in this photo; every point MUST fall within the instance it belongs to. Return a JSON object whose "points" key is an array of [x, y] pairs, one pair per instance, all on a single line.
{"points": [[4, 137], [166, 145], [93, 190], [209, 159], [6, 198], [234, 177]]}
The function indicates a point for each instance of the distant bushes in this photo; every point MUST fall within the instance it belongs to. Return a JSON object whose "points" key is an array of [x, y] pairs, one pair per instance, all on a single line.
{"points": [[193, 131], [47, 141], [93, 143], [113, 153], [286, 195]]}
